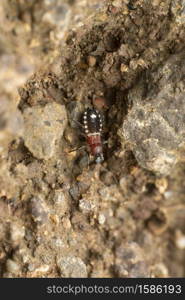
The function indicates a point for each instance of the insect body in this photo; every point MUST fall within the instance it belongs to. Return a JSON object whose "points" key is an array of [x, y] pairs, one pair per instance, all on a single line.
{"points": [[92, 122]]}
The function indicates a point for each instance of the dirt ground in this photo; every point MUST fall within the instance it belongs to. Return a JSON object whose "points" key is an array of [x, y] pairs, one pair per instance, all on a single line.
{"points": [[61, 214]]}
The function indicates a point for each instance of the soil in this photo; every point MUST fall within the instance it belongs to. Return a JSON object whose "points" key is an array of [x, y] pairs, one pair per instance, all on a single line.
{"points": [[61, 214]]}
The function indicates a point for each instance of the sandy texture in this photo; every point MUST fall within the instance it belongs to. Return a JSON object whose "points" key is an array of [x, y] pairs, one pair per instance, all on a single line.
{"points": [[61, 214]]}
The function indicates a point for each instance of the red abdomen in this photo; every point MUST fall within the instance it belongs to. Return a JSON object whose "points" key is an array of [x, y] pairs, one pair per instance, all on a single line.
{"points": [[95, 143]]}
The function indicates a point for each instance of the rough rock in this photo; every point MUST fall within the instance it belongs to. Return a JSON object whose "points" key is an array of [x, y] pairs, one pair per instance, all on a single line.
{"points": [[44, 126], [155, 126]]}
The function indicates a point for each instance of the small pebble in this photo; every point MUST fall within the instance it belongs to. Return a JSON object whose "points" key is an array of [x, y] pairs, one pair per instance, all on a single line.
{"points": [[161, 184], [74, 192], [86, 206], [57, 242], [101, 219], [117, 3], [61, 201], [12, 266], [179, 239], [38, 210], [71, 266], [124, 68], [91, 61]]}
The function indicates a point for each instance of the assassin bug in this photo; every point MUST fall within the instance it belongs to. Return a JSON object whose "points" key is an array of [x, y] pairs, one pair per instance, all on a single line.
{"points": [[92, 122]]}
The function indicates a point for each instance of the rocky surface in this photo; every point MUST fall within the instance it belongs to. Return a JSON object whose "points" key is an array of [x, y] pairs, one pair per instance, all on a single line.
{"points": [[155, 124], [60, 214]]}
